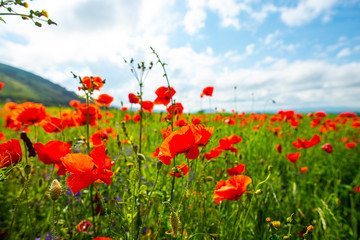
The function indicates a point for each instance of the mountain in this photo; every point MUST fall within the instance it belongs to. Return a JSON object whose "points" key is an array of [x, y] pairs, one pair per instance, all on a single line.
{"points": [[21, 86]]}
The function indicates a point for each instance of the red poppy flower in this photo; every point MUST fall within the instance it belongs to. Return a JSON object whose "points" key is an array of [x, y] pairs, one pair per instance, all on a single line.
{"points": [[176, 108], [9, 106], [133, 98], [208, 91], [99, 137], [180, 123], [327, 147], [127, 117], [293, 157], [306, 144], [84, 226], [93, 83], [303, 169], [124, 108], [88, 169], [109, 114], [30, 113], [10, 153], [52, 153], [215, 152], [136, 118], [279, 148], [350, 145], [239, 169], [196, 121], [53, 124], [102, 238], [357, 189], [2, 137], [74, 103], [147, 106], [164, 95], [104, 99], [231, 189], [184, 170], [94, 114], [230, 121], [185, 140], [1, 85], [320, 114]]}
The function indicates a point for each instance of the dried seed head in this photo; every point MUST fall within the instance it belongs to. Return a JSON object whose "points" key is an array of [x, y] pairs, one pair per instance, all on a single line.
{"points": [[55, 189]]}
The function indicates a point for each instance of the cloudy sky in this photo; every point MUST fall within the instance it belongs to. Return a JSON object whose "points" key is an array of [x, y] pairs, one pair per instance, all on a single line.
{"points": [[300, 53]]}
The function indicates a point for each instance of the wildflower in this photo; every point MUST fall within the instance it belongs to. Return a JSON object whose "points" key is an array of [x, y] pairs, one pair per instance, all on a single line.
{"points": [[10, 153], [327, 147], [92, 83], [350, 145], [207, 91], [303, 169], [1, 85], [52, 153], [306, 144], [133, 98], [84, 226], [176, 108], [185, 140], [30, 113], [231, 189], [87, 169], [279, 148], [184, 170], [104, 99], [164, 95], [357, 189], [74, 103], [293, 157], [99, 137], [239, 169], [147, 106], [53, 124]]}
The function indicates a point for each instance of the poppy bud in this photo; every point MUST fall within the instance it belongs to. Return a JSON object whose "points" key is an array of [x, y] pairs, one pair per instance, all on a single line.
{"points": [[175, 223], [159, 164], [258, 192], [27, 169], [29, 145], [55, 189], [209, 178], [141, 157], [262, 161], [135, 148]]}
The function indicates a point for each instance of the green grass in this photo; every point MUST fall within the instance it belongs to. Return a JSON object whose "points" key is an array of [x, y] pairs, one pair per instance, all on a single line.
{"points": [[323, 196]]}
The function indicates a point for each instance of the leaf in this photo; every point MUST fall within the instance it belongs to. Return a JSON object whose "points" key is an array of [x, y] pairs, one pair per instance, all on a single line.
{"points": [[1, 19]]}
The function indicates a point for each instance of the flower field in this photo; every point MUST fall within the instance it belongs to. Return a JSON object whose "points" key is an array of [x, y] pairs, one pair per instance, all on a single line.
{"points": [[87, 171]]}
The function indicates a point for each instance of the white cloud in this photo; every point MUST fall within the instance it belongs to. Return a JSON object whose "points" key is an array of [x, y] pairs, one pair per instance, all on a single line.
{"points": [[306, 11], [195, 17], [344, 53], [270, 37], [228, 11]]}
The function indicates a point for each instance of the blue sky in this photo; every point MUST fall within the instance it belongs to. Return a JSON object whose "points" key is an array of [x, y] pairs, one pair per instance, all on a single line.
{"points": [[300, 53]]}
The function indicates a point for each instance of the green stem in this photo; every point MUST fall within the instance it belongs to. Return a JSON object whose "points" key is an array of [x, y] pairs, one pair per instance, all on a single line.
{"points": [[53, 221], [152, 190]]}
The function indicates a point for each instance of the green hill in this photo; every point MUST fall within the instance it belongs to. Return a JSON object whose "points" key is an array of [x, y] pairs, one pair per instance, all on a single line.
{"points": [[21, 86]]}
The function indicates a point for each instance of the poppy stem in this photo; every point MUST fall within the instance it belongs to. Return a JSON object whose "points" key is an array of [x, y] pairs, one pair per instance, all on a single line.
{"points": [[53, 220], [173, 184]]}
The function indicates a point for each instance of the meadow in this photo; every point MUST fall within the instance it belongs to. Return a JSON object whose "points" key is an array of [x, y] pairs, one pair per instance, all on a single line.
{"points": [[87, 171]]}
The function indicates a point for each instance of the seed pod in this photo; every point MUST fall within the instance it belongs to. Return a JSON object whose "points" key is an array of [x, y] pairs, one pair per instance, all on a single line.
{"points": [[55, 190], [175, 223]]}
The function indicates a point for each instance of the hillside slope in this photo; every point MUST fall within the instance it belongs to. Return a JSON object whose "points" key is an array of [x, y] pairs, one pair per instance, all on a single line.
{"points": [[22, 86]]}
